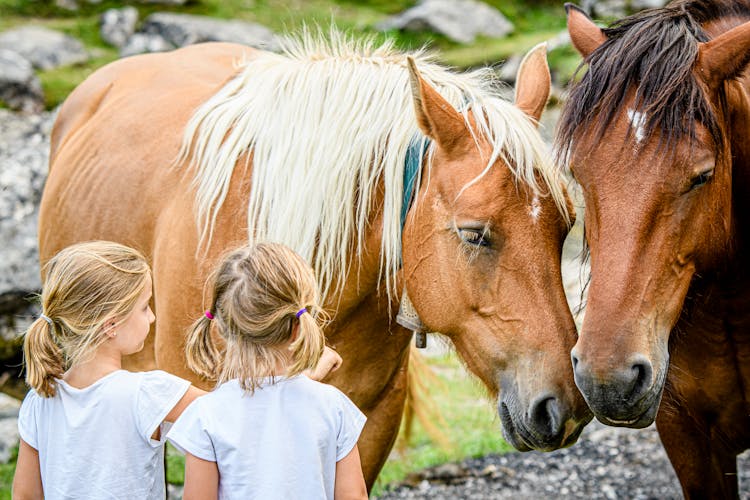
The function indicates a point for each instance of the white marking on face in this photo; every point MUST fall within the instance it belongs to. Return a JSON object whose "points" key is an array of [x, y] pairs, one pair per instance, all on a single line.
{"points": [[536, 209], [638, 122]]}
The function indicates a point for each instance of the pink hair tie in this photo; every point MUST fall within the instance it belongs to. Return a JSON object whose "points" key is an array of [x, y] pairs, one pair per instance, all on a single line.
{"points": [[301, 312], [209, 315]]}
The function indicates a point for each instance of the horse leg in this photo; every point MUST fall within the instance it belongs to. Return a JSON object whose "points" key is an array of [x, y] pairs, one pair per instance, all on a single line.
{"points": [[383, 423], [704, 467], [705, 464]]}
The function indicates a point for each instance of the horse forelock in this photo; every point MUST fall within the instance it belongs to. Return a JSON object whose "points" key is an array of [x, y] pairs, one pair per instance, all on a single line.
{"points": [[648, 57], [326, 122]]}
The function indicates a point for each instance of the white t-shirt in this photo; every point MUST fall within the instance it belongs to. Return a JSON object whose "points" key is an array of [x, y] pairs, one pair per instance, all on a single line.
{"points": [[95, 443], [281, 442]]}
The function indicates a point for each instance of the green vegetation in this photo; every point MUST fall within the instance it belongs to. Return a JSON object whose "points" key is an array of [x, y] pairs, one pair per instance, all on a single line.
{"points": [[535, 21], [470, 424], [6, 474]]}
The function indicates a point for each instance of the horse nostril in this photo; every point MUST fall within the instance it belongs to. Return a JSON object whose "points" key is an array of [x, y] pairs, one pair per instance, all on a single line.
{"points": [[545, 416], [642, 372], [574, 358]]}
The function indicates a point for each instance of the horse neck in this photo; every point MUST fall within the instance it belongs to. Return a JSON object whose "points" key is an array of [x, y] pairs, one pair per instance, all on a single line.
{"points": [[365, 278]]}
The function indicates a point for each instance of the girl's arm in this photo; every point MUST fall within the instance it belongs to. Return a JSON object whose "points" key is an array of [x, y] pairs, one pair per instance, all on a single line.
{"points": [[350, 483], [329, 362], [201, 479], [192, 393], [27, 482]]}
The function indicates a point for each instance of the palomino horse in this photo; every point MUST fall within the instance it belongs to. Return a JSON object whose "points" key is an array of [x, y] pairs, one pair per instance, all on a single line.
{"points": [[184, 155], [657, 132]]}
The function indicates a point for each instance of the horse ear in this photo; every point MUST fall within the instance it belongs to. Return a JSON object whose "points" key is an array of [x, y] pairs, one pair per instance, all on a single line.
{"points": [[436, 117], [533, 82], [724, 57], [584, 34]]}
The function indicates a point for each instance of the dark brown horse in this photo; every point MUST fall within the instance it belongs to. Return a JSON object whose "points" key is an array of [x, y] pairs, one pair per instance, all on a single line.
{"points": [[657, 132]]}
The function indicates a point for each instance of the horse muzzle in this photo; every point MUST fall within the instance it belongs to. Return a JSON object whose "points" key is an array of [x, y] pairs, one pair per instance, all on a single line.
{"points": [[628, 396], [546, 425]]}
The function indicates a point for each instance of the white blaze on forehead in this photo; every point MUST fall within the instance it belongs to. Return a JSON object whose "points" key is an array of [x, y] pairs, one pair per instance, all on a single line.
{"points": [[535, 209], [638, 122]]}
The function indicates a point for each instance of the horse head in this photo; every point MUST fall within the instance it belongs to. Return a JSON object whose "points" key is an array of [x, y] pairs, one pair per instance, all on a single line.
{"points": [[650, 133], [481, 258]]}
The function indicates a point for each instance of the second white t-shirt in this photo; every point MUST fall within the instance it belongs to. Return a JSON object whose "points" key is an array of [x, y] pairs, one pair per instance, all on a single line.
{"points": [[281, 442]]}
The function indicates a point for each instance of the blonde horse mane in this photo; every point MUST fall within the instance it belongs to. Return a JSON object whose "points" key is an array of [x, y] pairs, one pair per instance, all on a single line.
{"points": [[324, 123]]}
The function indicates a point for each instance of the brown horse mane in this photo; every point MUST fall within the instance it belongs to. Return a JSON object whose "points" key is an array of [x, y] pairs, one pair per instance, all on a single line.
{"points": [[652, 51]]}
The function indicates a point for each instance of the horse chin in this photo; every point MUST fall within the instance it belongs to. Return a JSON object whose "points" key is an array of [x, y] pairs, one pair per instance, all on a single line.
{"points": [[639, 417], [639, 422]]}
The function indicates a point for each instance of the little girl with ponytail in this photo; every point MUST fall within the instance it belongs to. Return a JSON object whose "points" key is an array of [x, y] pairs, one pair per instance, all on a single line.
{"points": [[90, 429], [267, 430]]}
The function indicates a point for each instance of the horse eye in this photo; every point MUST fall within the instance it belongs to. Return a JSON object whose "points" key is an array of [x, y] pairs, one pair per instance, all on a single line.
{"points": [[701, 179], [474, 237]]}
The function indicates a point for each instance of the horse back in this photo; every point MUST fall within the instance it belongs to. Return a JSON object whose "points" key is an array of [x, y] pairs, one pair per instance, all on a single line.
{"points": [[115, 140]]}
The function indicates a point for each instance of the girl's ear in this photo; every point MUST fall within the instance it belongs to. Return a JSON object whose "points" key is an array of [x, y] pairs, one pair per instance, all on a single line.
{"points": [[108, 327]]}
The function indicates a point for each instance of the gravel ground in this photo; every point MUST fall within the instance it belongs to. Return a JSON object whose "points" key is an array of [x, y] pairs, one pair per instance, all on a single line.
{"points": [[606, 463]]}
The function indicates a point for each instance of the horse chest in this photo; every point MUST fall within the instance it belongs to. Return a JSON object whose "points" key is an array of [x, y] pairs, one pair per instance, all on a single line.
{"points": [[710, 361]]}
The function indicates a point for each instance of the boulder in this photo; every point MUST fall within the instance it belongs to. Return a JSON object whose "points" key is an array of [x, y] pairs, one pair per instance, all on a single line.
{"points": [[116, 26], [24, 153], [44, 48], [616, 9], [459, 20], [179, 30], [20, 88]]}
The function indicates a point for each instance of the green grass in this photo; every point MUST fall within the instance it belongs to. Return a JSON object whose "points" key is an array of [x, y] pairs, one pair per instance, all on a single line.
{"points": [[471, 425], [534, 22], [6, 474]]}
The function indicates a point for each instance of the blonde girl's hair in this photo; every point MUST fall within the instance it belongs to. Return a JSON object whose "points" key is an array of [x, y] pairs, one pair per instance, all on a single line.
{"points": [[85, 285], [257, 294]]}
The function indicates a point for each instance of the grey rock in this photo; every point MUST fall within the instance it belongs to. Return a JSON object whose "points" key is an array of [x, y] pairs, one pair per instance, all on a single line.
{"points": [[142, 43], [164, 2], [8, 437], [44, 48], [116, 26], [179, 30], [618, 8], [70, 5], [460, 20], [24, 153], [20, 88]]}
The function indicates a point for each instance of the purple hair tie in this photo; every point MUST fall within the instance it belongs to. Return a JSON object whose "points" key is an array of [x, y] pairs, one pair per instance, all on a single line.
{"points": [[209, 315], [301, 312]]}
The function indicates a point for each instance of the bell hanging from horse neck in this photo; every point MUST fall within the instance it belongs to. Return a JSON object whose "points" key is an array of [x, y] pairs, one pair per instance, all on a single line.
{"points": [[408, 318]]}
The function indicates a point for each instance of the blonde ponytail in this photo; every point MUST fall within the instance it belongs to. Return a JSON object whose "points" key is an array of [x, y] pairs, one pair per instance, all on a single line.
{"points": [[202, 355], [43, 358], [308, 346]]}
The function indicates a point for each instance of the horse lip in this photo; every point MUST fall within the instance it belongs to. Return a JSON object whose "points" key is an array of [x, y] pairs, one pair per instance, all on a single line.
{"points": [[520, 438], [639, 422], [510, 432]]}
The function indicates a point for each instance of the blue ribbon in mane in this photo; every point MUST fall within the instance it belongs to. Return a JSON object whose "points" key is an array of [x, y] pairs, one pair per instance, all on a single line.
{"points": [[417, 149]]}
